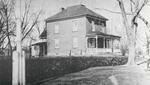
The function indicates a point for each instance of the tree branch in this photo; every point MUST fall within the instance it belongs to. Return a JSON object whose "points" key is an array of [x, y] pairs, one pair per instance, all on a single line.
{"points": [[111, 11], [33, 24], [125, 21], [145, 21], [138, 11]]}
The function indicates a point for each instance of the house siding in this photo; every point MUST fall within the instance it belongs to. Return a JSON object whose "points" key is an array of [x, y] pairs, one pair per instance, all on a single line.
{"points": [[65, 36]]}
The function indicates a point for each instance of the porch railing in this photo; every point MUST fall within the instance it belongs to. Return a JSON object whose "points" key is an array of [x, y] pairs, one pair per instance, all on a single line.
{"points": [[100, 50]]}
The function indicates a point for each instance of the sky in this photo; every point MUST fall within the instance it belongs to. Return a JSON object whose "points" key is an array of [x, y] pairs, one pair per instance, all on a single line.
{"points": [[114, 24]]}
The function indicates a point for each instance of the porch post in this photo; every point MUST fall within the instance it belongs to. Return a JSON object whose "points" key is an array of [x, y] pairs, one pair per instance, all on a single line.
{"points": [[43, 50], [96, 43], [112, 47], [104, 42], [109, 43], [86, 45]]}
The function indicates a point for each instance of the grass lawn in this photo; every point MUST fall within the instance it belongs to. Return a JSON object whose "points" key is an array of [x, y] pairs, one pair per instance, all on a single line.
{"points": [[110, 75]]}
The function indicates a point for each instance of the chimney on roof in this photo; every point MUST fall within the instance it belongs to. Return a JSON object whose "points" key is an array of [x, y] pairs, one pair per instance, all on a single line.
{"points": [[62, 9], [82, 5]]}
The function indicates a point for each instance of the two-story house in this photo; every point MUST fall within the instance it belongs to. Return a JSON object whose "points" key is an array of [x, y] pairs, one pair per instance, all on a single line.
{"points": [[78, 30]]}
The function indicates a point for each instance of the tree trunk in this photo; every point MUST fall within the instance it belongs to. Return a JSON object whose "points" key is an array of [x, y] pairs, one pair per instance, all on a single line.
{"points": [[131, 56], [148, 48], [10, 46], [8, 36], [131, 34]]}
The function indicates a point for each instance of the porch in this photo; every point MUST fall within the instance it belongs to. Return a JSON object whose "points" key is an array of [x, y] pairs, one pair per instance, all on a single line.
{"points": [[39, 48], [101, 43]]}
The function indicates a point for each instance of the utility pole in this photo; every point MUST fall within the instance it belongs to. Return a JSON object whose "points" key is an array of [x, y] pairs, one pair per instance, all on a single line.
{"points": [[19, 70]]}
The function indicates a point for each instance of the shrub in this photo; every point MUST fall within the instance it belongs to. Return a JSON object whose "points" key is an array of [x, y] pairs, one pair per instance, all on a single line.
{"points": [[38, 69], [43, 68], [5, 71]]}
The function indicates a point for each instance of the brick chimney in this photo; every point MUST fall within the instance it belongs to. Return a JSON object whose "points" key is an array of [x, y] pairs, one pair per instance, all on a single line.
{"points": [[62, 9]]}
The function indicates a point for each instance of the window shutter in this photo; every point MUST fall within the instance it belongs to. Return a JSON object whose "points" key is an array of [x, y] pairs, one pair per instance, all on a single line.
{"points": [[56, 28], [56, 43], [75, 42]]}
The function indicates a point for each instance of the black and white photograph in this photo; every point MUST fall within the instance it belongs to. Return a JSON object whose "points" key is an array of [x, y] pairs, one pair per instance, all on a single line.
{"points": [[74, 42]]}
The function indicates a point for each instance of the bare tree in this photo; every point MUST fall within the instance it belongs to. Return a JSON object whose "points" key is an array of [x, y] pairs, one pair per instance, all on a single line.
{"points": [[131, 24], [147, 36], [147, 44], [136, 7], [7, 23], [28, 20]]}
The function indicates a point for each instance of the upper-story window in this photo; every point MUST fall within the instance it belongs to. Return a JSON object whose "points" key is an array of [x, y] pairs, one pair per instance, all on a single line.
{"points": [[93, 26], [56, 41], [75, 26], [103, 23], [56, 29], [75, 42]]}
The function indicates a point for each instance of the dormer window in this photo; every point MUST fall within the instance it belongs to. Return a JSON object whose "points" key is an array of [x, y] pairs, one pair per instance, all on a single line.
{"points": [[93, 26]]}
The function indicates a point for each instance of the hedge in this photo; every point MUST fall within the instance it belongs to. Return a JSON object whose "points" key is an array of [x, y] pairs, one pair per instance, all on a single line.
{"points": [[39, 69], [5, 71]]}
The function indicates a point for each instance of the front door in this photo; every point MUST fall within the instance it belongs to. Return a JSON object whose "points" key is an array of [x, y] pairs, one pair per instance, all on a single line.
{"points": [[100, 43]]}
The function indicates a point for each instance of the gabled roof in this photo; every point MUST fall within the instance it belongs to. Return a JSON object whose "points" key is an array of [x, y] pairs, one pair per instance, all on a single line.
{"points": [[102, 34], [43, 35], [74, 11]]}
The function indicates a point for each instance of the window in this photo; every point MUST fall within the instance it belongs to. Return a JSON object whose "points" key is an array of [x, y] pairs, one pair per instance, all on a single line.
{"points": [[93, 26], [35, 47], [56, 28], [103, 23], [75, 26], [91, 43], [75, 42], [56, 43]]}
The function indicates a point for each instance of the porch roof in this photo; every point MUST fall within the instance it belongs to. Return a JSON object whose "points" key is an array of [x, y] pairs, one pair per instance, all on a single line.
{"points": [[93, 34], [41, 41]]}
